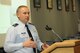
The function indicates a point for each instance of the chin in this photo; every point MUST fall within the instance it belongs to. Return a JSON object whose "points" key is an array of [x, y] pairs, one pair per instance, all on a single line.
{"points": [[26, 21]]}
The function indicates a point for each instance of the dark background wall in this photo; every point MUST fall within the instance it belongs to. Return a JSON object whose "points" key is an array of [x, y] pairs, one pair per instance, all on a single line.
{"points": [[64, 23]]}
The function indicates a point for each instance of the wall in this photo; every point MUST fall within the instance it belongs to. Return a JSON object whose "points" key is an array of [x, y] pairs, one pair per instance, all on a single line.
{"points": [[64, 23]]}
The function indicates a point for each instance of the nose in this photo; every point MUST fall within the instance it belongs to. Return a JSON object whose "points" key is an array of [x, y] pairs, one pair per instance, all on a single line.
{"points": [[27, 14]]}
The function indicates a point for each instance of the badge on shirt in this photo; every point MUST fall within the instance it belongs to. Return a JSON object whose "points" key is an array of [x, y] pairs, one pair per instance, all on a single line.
{"points": [[23, 35]]}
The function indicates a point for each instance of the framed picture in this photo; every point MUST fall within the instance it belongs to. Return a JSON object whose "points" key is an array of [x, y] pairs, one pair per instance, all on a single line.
{"points": [[59, 4], [67, 5], [73, 5], [49, 4], [37, 3]]}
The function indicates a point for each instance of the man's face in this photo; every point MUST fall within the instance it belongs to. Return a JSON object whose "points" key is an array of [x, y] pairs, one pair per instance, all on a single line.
{"points": [[23, 14]]}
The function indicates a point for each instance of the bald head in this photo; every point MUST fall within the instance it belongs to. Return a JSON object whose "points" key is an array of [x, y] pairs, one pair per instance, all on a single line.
{"points": [[22, 6]]}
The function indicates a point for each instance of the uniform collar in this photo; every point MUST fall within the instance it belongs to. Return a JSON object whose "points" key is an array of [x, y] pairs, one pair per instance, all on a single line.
{"points": [[22, 24]]}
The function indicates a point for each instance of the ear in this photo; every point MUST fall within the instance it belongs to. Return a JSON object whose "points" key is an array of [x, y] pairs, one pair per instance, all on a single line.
{"points": [[17, 14]]}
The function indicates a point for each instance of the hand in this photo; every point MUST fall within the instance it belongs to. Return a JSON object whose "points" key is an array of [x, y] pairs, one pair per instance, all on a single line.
{"points": [[44, 46], [29, 43]]}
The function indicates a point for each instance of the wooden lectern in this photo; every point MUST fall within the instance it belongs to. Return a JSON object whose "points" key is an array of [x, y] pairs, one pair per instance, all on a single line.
{"points": [[67, 46]]}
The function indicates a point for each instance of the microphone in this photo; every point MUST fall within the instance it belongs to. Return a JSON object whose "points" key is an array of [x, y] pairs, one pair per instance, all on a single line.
{"points": [[50, 29]]}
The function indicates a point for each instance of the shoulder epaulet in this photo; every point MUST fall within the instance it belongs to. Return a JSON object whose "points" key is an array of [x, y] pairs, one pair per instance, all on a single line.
{"points": [[31, 23], [15, 25]]}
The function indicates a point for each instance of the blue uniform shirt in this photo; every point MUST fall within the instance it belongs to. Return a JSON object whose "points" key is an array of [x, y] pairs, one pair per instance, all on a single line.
{"points": [[16, 35]]}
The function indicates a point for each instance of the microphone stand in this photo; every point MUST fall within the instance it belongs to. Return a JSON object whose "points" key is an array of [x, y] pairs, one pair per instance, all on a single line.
{"points": [[57, 35], [49, 28]]}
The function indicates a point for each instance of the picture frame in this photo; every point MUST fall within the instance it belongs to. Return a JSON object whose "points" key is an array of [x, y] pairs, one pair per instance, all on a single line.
{"points": [[59, 4], [67, 5], [37, 3], [49, 4], [73, 5]]}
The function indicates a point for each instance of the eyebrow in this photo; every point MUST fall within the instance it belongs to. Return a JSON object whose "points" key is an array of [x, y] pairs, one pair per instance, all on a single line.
{"points": [[26, 12]]}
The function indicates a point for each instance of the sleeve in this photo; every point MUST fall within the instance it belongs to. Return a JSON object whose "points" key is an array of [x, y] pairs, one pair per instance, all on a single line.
{"points": [[10, 45], [39, 43]]}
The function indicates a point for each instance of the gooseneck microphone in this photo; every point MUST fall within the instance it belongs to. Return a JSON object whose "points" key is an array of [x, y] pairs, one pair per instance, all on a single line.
{"points": [[50, 29]]}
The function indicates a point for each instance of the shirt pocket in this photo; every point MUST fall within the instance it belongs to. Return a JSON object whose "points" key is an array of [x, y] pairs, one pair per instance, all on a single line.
{"points": [[21, 37]]}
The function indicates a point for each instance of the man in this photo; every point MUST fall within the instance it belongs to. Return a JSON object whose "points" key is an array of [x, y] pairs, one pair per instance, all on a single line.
{"points": [[22, 37]]}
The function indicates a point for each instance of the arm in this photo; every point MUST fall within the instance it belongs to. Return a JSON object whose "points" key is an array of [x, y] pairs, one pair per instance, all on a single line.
{"points": [[10, 44], [40, 45], [38, 41]]}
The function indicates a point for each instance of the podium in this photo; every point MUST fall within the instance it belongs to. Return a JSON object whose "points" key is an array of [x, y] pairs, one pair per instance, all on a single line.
{"points": [[67, 46]]}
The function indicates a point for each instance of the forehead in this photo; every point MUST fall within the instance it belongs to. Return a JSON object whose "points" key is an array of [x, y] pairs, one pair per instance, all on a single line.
{"points": [[23, 9]]}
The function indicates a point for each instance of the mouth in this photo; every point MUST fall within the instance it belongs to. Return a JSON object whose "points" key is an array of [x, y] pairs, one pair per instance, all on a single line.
{"points": [[27, 18]]}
